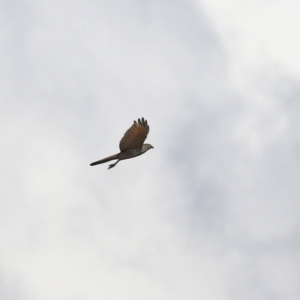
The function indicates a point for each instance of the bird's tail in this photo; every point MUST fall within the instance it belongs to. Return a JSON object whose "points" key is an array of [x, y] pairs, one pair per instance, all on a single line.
{"points": [[104, 160]]}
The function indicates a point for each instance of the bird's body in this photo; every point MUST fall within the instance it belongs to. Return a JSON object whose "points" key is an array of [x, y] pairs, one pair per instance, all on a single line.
{"points": [[131, 145]]}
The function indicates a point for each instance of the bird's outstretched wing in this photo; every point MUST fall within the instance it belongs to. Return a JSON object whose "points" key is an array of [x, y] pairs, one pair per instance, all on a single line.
{"points": [[135, 136]]}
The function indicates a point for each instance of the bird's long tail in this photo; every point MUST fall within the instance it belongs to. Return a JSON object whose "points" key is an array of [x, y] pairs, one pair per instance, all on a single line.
{"points": [[104, 160]]}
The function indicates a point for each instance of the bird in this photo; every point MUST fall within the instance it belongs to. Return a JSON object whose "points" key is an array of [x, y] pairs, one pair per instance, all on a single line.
{"points": [[131, 145]]}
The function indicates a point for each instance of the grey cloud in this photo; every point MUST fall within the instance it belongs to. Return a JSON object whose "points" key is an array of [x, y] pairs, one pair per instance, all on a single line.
{"points": [[211, 213]]}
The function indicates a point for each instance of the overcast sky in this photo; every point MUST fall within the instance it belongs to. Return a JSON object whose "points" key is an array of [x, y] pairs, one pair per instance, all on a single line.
{"points": [[212, 212]]}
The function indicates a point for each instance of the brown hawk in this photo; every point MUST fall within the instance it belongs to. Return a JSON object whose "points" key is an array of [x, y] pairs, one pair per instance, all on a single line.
{"points": [[131, 145]]}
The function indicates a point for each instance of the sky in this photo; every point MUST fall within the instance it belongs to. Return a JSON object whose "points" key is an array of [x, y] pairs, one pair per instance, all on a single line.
{"points": [[212, 212]]}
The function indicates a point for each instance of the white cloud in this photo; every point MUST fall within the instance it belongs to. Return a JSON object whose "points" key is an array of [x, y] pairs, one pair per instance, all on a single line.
{"points": [[203, 215]]}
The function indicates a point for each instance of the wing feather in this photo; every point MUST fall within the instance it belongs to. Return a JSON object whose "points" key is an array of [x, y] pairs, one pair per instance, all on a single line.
{"points": [[135, 136]]}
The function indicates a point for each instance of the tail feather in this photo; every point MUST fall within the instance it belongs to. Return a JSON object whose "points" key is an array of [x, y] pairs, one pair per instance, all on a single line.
{"points": [[104, 160]]}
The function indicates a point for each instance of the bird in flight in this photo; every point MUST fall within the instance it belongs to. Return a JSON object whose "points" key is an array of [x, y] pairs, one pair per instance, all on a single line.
{"points": [[131, 145]]}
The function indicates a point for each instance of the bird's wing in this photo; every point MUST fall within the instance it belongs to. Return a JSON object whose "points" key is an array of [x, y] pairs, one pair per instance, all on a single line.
{"points": [[135, 136]]}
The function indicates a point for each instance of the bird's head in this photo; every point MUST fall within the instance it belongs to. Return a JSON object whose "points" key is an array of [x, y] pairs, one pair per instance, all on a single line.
{"points": [[147, 147]]}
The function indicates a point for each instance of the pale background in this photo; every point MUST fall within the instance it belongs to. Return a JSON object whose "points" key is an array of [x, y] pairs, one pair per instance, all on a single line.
{"points": [[212, 212]]}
